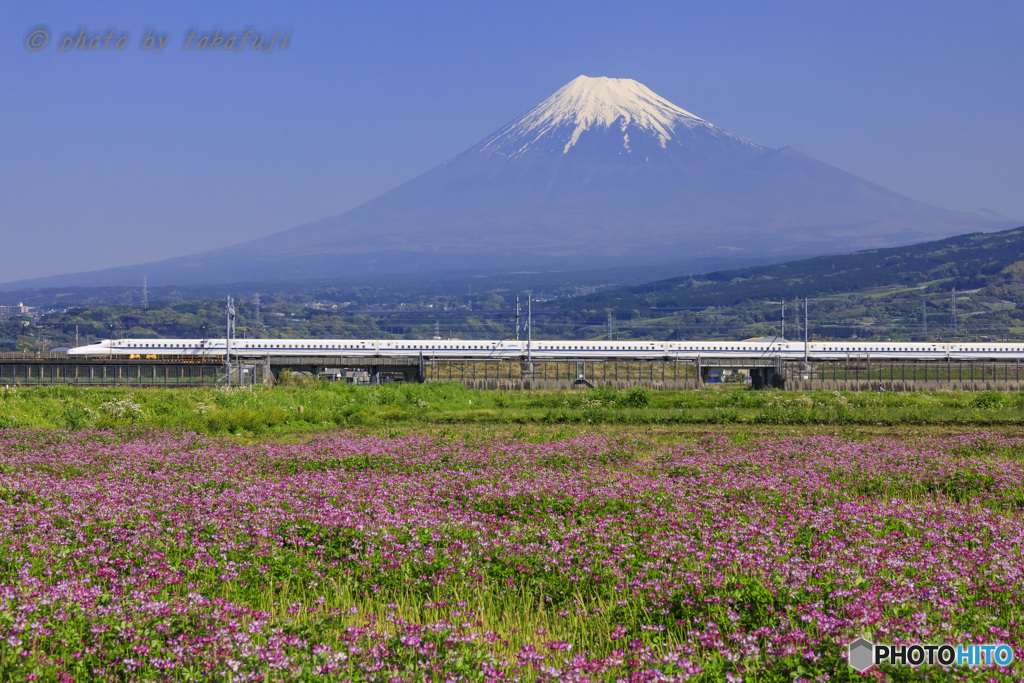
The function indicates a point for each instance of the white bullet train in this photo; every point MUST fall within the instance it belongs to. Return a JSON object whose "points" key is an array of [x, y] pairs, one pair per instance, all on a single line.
{"points": [[774, 347]]}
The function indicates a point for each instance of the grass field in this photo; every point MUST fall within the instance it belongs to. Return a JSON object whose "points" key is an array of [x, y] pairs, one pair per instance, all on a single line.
{"points": [[406, 408], [445, 534]]}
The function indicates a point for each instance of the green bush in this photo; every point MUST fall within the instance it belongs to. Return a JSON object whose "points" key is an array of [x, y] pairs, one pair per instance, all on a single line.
{"points": [[606, 394], [502, 399], [75, 416], [635, 397], [287, 378], [988, 399]]}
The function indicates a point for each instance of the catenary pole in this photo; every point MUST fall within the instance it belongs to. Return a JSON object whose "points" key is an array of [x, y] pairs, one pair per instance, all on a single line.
{"points": [[529, 328], [518, 326], [806, 325]]}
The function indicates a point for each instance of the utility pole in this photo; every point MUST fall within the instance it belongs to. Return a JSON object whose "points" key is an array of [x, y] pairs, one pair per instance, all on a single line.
{"points": [[145, 294], [256, 302], [517, 318], [783, 318], [229, 333], [611, 324], [924, 319], [437, 329], [806, 325], [529, 327]]}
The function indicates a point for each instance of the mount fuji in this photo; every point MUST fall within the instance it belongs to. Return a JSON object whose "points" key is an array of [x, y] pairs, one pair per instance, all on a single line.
{"points": [[602, 173]]}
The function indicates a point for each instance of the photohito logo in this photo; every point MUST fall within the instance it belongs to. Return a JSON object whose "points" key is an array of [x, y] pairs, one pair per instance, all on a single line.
{"points": [[863, 654]]}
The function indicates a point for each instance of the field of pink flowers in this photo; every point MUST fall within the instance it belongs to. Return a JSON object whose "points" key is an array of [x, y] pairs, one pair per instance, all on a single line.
{"points": [[164, 556]]}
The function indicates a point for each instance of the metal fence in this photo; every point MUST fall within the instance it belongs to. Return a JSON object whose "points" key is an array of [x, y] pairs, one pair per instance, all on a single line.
{"points": [[550, 370], [903, 371], [139, 374]]}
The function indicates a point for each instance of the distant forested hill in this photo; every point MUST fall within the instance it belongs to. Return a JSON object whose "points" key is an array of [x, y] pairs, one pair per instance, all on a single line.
{"points": [[966, 262], [878, 291], [899, 293]]}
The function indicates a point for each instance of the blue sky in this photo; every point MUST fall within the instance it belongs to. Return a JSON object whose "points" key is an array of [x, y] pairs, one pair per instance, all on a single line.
{"points": [[112, 157]]}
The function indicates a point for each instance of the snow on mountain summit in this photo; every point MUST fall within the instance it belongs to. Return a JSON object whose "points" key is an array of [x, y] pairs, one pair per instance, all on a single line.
{"points": [[586, 104], [602, 174]]}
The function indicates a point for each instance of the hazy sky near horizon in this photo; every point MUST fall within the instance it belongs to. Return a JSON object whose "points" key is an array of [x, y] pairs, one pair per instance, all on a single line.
{"points": [[120, 156]]}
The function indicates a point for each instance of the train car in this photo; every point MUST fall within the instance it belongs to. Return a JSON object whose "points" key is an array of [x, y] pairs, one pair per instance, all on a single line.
{"points": [[553, 349], [987, 351], [842, 350]]}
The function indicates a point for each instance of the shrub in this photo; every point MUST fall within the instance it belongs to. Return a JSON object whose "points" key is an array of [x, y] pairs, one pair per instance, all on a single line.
{"points": [[76, 416], [606, 394], [635, 397], [988, 399], [287, 378]]}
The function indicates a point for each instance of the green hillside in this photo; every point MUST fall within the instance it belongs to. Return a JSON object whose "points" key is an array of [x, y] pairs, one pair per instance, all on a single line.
{"points": [[878, 292]]}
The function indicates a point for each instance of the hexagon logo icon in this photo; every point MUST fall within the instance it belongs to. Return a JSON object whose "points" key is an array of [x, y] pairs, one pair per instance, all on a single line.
{"points": [[862, 654]]}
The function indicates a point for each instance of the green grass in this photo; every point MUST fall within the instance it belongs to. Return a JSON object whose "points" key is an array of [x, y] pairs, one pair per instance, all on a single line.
{"points": [[283, 409]]}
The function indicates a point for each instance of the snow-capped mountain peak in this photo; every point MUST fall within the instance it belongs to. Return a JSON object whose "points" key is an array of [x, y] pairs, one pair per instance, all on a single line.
{"points": [[586, 104], [602, 174]]}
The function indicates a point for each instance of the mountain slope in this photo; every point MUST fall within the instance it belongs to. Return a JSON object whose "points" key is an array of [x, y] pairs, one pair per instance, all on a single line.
{"points": [[877, 294], [891, 285], [602, 173]]}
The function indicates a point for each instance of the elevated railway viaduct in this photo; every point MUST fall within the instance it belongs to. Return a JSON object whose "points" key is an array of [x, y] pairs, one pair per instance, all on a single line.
{"points": [[855, 373]]}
